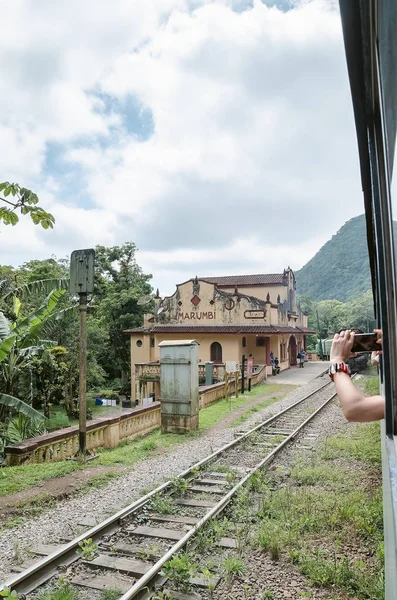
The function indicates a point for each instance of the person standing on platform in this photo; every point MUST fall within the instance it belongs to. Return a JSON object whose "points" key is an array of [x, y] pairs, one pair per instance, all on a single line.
{"points": [[301, 358]]}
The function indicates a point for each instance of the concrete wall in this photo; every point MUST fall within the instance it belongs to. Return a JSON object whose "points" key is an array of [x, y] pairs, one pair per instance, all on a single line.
{"points": [[101, 433]]}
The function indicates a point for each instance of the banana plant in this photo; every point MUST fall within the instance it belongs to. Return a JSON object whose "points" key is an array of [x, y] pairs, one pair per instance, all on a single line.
{"points": [[19, 341]]}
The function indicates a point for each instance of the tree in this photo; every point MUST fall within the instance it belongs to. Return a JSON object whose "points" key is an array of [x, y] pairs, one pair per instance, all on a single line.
{"points": [[19, 199], [45, 379], [120, 282], [19, 341]]}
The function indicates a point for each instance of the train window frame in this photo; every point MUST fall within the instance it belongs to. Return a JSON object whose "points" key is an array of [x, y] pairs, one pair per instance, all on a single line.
{"points": [[371, 52]]}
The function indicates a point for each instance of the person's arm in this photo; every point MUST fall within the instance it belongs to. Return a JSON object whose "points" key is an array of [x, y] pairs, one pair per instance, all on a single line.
{"points": [[355, 406]]}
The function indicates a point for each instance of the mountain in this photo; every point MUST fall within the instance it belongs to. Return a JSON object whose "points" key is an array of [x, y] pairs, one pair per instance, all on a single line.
{"points": [[340, 269]]}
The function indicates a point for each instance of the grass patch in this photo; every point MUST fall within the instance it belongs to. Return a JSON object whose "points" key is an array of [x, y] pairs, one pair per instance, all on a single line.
{"points": [[111, 594], [254, 409], [326, 570], [15, 479], [371, 386], [62, 591], [11, 523], [98, 481], [363, 444], [319, 509], [220, 409]]}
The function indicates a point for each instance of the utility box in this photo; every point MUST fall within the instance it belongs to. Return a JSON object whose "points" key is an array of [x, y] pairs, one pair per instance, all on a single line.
{"points": [[179, 385], [209, 373]]}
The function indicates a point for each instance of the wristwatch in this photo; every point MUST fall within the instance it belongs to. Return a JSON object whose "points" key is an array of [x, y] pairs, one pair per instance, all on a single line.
{"points": [[338, 368]]}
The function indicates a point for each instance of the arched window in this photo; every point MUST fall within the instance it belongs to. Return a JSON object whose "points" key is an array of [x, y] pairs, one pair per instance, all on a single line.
{"points": [[216, 352]]}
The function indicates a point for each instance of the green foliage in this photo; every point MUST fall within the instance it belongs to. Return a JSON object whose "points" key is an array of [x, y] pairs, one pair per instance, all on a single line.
{"points": [[332, 315], [120, 282], [8, 593], [340, 269], [162, 505], [87, 549], [20, 342], [326, 570], [233, 567], [180, 570], [19, 406], [44, 378], [21, 428], [372, 386], [18, 199], [111, 594], [62, 591], [179, 486]]}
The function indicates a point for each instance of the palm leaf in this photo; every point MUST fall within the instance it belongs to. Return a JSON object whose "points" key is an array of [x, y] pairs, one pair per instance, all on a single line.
{"points": [[6, 345], [34, 287], [32, 324], [20, 406], [4, 326], [34, 350]]}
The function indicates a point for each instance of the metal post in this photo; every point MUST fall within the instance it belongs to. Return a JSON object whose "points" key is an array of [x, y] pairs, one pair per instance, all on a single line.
{"points": [[242, 373], [319, 334], [83, 376]]}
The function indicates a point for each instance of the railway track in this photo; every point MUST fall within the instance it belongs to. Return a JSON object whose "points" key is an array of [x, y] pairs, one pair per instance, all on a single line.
{"points": [[128, 550]]}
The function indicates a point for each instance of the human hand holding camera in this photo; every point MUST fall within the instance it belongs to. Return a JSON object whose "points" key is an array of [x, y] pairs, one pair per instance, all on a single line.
{"points": [[342, 344]]}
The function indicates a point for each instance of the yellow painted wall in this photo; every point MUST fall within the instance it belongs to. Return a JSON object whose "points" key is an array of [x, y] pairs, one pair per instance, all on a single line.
{"points": [[261, 291], [214, 307], [230, 344]]}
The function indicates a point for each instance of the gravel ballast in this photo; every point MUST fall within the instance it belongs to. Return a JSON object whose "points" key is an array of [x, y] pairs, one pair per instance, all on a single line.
{"points": [[61, 521]]}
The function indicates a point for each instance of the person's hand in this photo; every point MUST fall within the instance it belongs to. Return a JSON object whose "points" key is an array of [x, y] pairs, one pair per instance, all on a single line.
{"points": [[380, 339], [342, 345]]}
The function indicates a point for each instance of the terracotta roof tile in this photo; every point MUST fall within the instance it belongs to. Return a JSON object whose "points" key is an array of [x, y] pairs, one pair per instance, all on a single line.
{"points": [[217, 329], [242, 280]]}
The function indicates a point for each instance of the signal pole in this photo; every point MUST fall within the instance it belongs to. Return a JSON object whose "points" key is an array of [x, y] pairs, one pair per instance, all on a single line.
{"points": [[82, 265]]}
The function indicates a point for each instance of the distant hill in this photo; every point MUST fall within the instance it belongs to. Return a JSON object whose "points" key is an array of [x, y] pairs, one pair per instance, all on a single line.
{"points": [[340, 269]]}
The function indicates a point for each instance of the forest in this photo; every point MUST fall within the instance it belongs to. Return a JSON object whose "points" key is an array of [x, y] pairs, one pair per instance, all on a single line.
{"points": [[340, 269], [329, 316], [39, 336]]}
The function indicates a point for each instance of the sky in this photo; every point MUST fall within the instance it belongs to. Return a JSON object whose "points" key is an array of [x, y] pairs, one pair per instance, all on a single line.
{"points": [[217, 135]]}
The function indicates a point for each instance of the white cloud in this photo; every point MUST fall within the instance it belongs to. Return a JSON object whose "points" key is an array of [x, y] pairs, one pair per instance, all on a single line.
{"points": [[253, 134]]}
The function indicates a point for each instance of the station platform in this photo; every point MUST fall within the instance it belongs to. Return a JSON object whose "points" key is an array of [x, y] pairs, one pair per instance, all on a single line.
{"points": [[298, 376]]}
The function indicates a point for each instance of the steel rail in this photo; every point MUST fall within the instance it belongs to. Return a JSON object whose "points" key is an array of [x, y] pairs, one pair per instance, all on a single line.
{"points": [[45, 568], [143, 582]]}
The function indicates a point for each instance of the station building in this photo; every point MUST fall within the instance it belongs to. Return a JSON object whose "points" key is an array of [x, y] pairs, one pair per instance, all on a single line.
{"points": [[229, 316]]}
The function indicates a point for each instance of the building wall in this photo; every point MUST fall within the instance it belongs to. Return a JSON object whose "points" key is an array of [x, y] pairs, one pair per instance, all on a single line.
{"points": [[201, 303], [261, 291], [198, 302], [232, 346]]}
